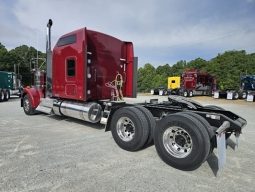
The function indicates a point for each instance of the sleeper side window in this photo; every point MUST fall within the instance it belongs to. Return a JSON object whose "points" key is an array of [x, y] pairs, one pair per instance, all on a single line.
{"points": [[70, 67], [66, 40]]}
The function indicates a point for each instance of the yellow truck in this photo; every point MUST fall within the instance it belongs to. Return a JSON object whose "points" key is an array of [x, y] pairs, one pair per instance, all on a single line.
{"points": [[173, 85]]}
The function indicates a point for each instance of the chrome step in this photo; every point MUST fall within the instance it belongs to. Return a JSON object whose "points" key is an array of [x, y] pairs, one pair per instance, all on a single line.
{"points": [[46, 105], [44, 109]]}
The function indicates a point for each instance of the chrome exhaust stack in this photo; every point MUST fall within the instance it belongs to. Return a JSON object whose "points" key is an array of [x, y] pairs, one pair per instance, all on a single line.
{"points": [[49, 60]]}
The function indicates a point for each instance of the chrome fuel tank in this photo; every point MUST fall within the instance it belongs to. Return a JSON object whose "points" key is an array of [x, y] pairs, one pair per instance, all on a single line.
{"points": [[91, 112]]}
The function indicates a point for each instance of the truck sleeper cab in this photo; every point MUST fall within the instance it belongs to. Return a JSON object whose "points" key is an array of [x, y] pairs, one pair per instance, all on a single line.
{"points": [[85, 61], [194, 82], [246, 90]]}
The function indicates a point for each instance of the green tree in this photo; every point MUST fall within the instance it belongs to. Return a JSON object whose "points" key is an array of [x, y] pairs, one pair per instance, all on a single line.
{"points": [[3, 57], [228, 67], [178, 68], [21, 58], [145, 77], [198, 63], [162, 73]]}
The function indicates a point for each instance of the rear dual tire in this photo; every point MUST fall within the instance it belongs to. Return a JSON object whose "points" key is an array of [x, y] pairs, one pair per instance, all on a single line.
{"points": [[182, 141], [185, 93], [7, 95], [1, 95], [151, 123], [4, 95], [190, 93], [210, 129], [244, 95], [235, 95], [130, 128]]}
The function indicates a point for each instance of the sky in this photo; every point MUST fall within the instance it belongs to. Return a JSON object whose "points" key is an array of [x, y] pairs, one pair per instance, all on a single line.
{"points": [[162, 31]]}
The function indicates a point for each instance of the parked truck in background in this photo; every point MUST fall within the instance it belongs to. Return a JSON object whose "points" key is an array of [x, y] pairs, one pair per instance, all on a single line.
{"points": [[10, 84], [173, 85], [195, 82], [89, 74], [192, 82], [246, 89]]}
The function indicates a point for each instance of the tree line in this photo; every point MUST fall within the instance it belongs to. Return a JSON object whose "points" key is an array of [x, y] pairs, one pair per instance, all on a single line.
{"points": [[226, 68], [21, 59]]}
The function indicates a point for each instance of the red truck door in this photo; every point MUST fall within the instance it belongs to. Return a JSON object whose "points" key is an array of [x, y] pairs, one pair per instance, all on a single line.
{"points": [[69, 66]]}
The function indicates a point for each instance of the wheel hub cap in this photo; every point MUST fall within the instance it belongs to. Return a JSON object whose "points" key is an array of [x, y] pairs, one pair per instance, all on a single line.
{"points": [[125, 129], [177, 142]]}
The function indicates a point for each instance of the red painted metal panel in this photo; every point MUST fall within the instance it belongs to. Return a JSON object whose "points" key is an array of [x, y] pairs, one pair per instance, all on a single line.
{"points": [[106, 52], [130, 69], [34, 94], [99, 59], [64, 86], [189, 79]]}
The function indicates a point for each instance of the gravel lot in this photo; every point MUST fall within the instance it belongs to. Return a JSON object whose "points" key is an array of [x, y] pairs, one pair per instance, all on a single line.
{"points": [[51, 153]]}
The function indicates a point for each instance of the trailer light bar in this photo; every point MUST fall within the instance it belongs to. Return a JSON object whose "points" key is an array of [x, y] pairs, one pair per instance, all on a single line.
{"points": [[213, 116]]}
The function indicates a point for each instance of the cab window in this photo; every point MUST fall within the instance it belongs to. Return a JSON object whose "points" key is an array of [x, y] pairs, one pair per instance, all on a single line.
{"points": [[66, 40], [70, 67]]}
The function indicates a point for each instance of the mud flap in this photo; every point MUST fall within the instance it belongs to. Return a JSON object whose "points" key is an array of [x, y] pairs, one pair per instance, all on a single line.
{"points": [[221, 149], [237, 135], [221, 144]]}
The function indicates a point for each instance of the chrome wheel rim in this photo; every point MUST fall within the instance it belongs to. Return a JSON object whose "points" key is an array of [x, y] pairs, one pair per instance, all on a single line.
{"points": [[177, 142], [244, 95], [125, 129], [185, 93], [26, 105]]}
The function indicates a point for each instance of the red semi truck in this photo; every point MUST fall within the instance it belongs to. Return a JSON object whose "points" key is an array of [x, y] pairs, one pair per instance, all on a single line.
{"points": [[88, 75], [195, 82]]}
